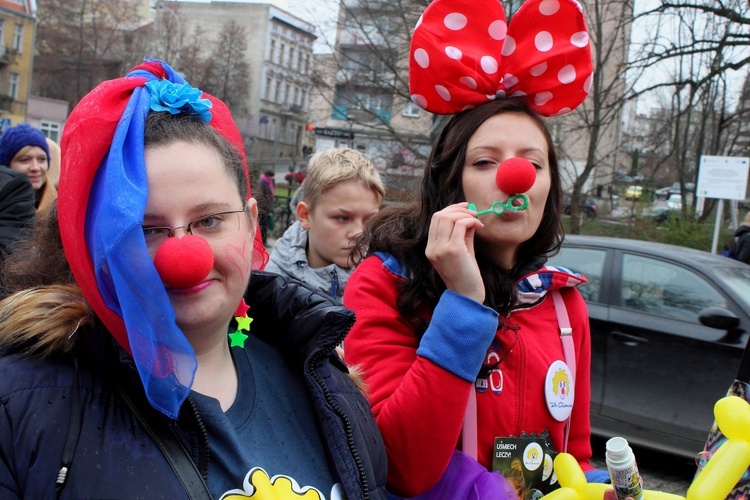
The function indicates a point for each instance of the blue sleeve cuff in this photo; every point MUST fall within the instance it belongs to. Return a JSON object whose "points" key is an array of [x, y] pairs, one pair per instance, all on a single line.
{"points": [[460, 331], [597, 476]]}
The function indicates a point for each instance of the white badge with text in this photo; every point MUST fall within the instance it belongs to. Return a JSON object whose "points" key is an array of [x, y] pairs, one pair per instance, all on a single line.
{"points": [[558, 391]]}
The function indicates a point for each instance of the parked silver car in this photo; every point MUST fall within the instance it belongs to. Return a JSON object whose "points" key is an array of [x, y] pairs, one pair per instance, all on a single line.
{"points": [[668, 328]]}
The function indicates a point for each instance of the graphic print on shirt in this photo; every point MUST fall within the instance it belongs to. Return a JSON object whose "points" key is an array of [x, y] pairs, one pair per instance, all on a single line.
{"points": [[258, 486]]}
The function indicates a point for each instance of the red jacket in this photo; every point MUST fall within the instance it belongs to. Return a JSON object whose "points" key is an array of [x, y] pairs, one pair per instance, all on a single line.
{"points": [[419, 390]]}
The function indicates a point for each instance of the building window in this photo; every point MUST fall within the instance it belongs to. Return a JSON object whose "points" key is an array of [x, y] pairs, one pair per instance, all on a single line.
{"points": [[50, 129], [267, 94], [17, 37], [291, 57], [411, 110], [2, 36], [281, 54], [272, 51], [277, 91], [286, 94], [13, 79]]}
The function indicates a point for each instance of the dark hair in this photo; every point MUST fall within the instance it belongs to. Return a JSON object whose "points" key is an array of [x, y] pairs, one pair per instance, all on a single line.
{"points": [[38, 259], [164, 129], [402, 230]]}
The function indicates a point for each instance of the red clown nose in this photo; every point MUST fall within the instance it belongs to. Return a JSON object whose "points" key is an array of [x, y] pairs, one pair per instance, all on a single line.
{"points": [[515, 176], [184, 262]]}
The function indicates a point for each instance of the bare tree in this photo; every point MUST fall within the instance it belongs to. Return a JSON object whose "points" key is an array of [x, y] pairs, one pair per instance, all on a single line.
{"points": [[694, 45], [371, 55], [227, 74], [587, 139], [80, 43]]}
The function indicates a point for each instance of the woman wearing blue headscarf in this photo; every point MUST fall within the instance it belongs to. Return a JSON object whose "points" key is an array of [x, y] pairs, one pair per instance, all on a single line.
{"points": [[129, 367]]}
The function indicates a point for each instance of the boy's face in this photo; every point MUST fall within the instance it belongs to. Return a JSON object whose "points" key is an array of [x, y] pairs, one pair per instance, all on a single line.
{"points": [[335, 222]]}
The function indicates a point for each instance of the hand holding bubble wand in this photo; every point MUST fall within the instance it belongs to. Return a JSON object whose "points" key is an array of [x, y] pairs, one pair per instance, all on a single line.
{"points": [[514, 176]]}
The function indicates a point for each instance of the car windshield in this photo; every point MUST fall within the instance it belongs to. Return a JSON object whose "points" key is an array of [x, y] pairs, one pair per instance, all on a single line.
{"points": [[738, 279]]}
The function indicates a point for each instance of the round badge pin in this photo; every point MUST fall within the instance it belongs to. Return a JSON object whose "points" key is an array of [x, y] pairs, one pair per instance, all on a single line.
{"points": [[558, 390]]}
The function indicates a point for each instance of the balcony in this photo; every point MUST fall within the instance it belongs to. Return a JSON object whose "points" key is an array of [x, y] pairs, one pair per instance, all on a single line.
{"points": [[7, 55], [6, 103]]}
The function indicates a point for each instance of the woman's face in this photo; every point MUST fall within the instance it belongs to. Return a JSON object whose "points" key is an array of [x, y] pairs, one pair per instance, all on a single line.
{"points": [[32, 161], [187, 181], [504, 136]]}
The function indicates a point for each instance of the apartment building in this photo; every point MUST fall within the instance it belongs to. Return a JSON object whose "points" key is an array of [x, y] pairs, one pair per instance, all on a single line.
{"points": [[17, 36]]}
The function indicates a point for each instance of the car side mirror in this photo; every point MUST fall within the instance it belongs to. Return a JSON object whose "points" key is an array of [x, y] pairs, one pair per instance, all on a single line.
{"points": [[719, 318]]}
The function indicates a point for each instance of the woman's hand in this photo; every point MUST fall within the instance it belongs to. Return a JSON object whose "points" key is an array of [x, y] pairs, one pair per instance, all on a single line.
{"points": [[450, 249], [611, 495]]}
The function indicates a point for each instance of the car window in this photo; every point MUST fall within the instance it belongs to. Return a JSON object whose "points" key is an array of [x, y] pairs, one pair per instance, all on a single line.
{"points": [[586, 261], [738, 278], [663, 289]]}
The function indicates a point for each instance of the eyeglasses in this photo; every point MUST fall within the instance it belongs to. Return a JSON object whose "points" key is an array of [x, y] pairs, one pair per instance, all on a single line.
{"points": [[210, 227]]}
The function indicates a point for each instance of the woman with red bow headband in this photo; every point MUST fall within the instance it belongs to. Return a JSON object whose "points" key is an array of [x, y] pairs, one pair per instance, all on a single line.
{"points": [[466, 339], [128, 367]]}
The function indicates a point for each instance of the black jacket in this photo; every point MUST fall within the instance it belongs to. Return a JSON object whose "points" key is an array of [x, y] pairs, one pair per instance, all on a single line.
{"points": [[742, 245], [115, 458], [16, 207]]}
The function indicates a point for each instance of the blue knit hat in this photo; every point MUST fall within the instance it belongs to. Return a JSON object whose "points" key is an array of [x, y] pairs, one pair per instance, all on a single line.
{"points": [[16, 138]]}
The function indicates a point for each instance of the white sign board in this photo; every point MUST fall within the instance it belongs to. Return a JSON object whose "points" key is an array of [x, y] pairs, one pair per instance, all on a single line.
{"points": [[723, 177]]}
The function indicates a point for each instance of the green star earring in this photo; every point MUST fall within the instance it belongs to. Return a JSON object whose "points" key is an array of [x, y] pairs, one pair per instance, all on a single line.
{"points": [[238, 338]]}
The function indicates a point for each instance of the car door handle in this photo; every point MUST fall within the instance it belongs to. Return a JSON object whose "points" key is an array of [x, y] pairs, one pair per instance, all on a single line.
{"points": [[629, 340]]}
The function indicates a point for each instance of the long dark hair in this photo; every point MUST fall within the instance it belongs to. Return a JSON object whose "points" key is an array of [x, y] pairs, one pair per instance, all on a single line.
{"points": [[402, 230]]}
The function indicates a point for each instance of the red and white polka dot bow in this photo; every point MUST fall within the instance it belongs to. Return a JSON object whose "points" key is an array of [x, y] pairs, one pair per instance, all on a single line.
{"points": [[463, 54]]}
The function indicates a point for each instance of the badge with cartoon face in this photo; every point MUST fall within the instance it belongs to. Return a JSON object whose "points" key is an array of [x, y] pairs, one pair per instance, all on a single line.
{"points": [[558, 390]]}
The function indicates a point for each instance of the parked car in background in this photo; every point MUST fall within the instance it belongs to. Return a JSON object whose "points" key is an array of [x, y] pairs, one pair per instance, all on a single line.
{"points": [[674, 202], [587, 206], [666, 192], [662, 193], [634, 192], [668, 328]]}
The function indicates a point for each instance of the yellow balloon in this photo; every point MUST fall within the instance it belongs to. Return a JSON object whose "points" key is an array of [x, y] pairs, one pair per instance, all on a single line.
{"points": [[574, 485], [733, 417], [722, 472], [660, 495], [568, 471], [563, 493]]}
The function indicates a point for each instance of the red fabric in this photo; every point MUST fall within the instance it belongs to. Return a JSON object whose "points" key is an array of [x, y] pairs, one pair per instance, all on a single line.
{"points": [[85, 142], [463, 54], [419, 407]]}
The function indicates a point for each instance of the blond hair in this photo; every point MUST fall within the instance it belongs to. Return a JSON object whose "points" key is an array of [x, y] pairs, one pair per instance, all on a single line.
{"points": [[328, 168]]}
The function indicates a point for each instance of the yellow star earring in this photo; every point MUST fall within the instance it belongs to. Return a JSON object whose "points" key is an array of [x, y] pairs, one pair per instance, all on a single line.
{"points": [[243, 323]]}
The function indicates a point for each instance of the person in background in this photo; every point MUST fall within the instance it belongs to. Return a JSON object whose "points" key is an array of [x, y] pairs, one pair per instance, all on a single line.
{"points": [[265, 204], [341, 191], [16, 208], [463, 334], [741, 244], [24, 148], [142, 352], [296, 199], [53, 174]]}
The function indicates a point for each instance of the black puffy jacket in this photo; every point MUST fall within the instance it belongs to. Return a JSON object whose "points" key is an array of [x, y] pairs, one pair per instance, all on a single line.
{"points": [[115, 458]]}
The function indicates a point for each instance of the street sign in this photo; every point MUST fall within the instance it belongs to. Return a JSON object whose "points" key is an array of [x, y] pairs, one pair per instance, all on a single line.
{"points": [[723, 177], [334, 132]]}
